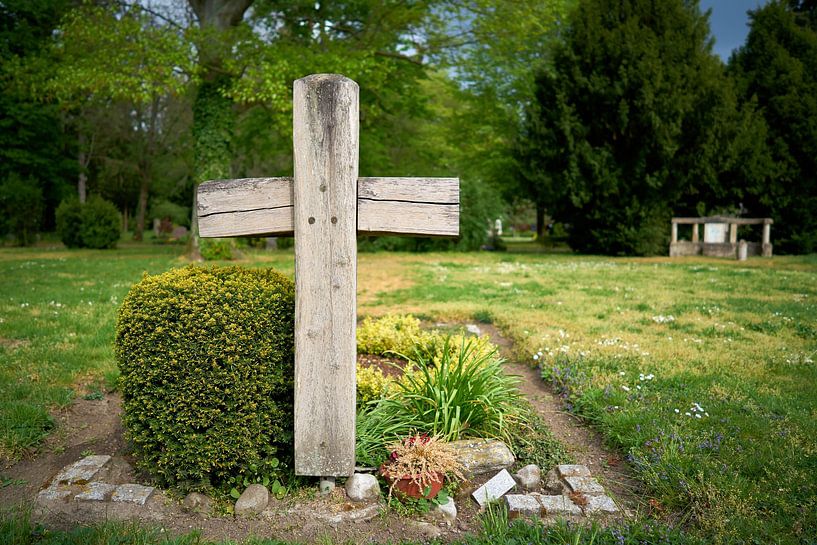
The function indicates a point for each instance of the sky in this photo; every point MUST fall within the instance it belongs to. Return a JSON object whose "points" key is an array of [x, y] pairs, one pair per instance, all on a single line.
{"points": [[728, 23]]}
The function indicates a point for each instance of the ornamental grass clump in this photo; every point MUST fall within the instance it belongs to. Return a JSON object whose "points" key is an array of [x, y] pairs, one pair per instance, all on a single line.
{"points": [[422, 460], [206, 361]]}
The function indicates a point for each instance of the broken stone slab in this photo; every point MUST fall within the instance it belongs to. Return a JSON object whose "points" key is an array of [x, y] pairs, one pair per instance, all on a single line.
{"points": [[82, 471], [529, 477], [54, 492], [584, 485], [558, 505], [252, 501], [600, 505], [522, 505], [495, 488], [132, 493], [362, 487], [572, 470], [480, 456], [95, 491]]}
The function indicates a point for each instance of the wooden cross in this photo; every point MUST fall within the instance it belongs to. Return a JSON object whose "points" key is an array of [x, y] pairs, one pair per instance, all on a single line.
{"points": [[325, 205]]}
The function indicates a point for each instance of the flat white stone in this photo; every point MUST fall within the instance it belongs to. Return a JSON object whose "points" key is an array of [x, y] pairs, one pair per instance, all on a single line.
{"points": [[82, 471], [447, 511], [559, 505], [522, 505], [54, 492], [572, 470], [600, 504], [473, 329], [495, 488], [95, 491], [132, 493], [585, 485]]}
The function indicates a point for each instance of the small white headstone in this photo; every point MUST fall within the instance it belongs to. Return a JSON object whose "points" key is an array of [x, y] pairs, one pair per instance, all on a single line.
{"points": [[495, 488]]}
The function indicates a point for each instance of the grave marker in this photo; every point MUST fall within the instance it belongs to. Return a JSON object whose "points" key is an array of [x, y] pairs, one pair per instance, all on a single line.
{"points": [[325, 205]]}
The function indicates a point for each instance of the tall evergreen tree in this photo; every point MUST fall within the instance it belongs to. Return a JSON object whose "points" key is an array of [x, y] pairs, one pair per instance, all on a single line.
{"points": [[634, 121], [777, 70]]}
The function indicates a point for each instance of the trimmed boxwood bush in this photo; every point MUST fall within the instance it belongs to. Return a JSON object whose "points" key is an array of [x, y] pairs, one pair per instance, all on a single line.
{"points": [[100, 224], [206, 361]]}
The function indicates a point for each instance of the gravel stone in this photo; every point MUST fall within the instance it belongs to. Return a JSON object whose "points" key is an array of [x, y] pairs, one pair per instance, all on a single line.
{"points": [[252, 501], [196, 502], [447, 511], [529, 477], [362, 487]]}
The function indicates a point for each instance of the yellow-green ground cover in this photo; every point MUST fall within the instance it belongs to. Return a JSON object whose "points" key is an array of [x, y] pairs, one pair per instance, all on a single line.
{"points": [[633, 344]]}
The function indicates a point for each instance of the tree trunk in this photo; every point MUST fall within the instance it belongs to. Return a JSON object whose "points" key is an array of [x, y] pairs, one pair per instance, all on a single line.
{"points": [[540, 221], [212, 112], [125, 220], [142, 207], [82, 180]]}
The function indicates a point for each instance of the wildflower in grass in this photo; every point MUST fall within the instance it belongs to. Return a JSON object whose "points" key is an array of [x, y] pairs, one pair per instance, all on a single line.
{"points": [[677, 411], [625, 388]]}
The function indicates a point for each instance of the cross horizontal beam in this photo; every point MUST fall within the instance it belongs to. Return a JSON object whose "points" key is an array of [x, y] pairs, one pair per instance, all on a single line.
{"points": [[394, 206]]}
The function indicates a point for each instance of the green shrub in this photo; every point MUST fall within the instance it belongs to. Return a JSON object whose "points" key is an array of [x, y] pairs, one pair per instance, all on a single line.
{"points": [[216, 249], [464, 394], [101, 224], [206, 361], [95, 224], [400, 334], [21, 208], [69, 222]]}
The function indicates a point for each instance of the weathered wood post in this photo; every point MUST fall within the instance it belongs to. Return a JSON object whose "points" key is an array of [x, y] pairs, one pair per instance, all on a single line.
{"points": [[325, 135], [695, 232], [324, 206], [674, 232], [733, 233]]}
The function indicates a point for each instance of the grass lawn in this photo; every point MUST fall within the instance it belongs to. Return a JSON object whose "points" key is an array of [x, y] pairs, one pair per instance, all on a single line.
{"points": [[634, 345]]}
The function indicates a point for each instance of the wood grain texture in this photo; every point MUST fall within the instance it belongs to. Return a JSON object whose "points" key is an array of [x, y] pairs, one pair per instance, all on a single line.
{"points": [[246, 206], [325, 124], [393, 206]]}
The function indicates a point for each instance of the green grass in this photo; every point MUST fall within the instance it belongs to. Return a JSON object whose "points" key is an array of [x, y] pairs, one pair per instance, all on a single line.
{"points": [[741, 343]]}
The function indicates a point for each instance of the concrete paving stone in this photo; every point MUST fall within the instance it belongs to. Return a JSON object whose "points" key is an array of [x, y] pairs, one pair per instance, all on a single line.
{"points": [[95, 491], [600, 504], [572, 470], [132, 493], [559, 505], [82, 471], [586, 485], [522, 505], [495, 488], [54, 492]]}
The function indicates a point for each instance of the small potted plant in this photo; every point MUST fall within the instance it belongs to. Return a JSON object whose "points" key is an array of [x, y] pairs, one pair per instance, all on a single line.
{"points": [[418, 466]]}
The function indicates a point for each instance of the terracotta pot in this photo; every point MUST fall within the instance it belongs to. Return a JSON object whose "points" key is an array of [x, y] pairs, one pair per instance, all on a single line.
{"points": [[405, 487]]}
